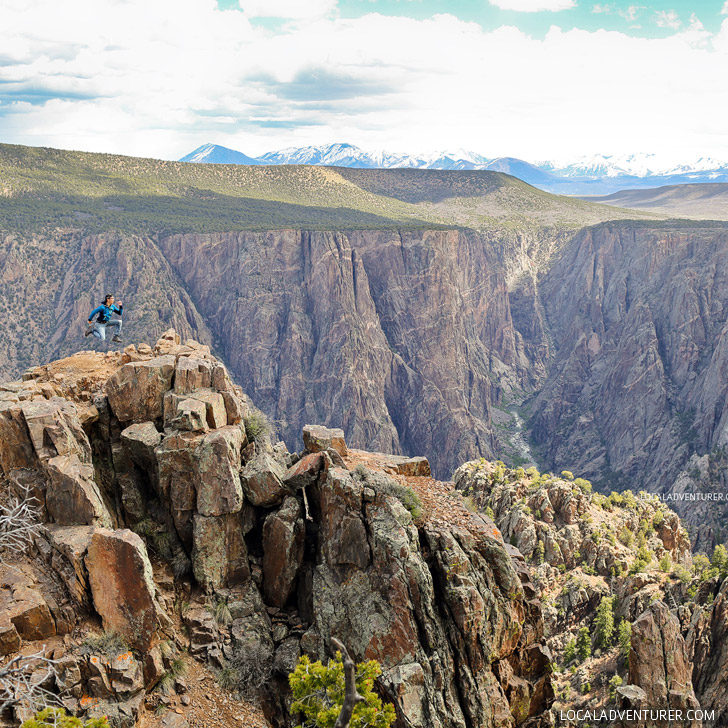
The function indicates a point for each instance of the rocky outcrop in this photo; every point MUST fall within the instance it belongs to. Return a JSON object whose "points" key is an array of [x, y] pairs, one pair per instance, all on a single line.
{"points": [[278, 552], [658, 660], [707, 644]]}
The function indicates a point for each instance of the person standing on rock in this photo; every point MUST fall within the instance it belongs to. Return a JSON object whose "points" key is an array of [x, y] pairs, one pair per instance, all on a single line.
{"points": [[103, 319]]}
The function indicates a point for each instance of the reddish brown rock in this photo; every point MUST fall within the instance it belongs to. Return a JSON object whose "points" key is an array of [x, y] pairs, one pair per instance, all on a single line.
{"points": [[9, 637], [55, 429], [136, 391], [306, 471], [122, 585], [283, 540], [16, 449], [317, 438], [192, 373], [73, 498]]}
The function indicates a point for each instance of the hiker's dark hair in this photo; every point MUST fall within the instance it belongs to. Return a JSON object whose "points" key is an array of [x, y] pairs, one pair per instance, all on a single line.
{"points": [[108, 296]]}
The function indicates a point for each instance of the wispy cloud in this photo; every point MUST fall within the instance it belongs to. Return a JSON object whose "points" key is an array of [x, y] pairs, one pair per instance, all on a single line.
{"points": [[725, 8], [533, 6], [629, 13], [668, 19]]}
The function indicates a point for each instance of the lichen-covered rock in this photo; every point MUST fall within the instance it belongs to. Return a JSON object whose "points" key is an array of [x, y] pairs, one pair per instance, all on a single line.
{"points": [[707, 645], [283, 541], [122, 585], [67, 547], [262, 479], [219, 553], [217, 461]]}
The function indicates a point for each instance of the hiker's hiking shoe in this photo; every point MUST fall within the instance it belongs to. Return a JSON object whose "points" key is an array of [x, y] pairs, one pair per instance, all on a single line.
{"points": [[89, 331], [116, 338]]}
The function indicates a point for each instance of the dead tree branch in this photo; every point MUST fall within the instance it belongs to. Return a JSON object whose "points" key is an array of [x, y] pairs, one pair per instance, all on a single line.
{"points": [[351, 695], [19, 520], [24, 680]]}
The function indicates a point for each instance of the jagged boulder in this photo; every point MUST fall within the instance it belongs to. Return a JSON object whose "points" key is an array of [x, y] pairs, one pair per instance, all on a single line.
{"points": [[122, 585], [707, 643], [73, 497], [262, 479], [317, 438], [136, 391]]}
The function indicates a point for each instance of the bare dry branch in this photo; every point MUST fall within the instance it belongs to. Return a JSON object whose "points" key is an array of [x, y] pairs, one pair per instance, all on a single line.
{"points": [[351, 695], [19, 520], [24, 680]]}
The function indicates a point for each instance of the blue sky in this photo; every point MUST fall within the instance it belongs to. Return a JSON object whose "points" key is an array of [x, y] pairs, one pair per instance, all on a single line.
{"points": [[537, 79]]}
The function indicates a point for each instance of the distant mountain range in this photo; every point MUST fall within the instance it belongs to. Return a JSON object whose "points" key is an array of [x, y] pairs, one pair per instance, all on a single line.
{"points": [[600, 174]]}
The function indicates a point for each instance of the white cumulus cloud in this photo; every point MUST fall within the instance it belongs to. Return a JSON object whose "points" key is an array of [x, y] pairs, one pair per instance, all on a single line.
{"points": [[532, 6], [159, 79]]}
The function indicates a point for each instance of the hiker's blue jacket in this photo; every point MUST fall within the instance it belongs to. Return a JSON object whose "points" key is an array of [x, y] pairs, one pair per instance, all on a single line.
{"points": [[104, 312]]}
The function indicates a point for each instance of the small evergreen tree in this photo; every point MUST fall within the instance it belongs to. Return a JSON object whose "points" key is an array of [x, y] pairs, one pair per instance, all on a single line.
{"points": [[604, 623], [720, 560], [624, 637], [614, 683], [583, 644], [318, 694], [570, 651]]}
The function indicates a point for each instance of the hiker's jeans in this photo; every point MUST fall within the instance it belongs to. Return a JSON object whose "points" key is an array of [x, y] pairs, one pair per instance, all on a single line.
{"points": [[100, 329]]}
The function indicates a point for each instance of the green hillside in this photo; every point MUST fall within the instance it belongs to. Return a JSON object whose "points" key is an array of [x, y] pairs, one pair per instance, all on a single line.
{"points": [[46, 188]]}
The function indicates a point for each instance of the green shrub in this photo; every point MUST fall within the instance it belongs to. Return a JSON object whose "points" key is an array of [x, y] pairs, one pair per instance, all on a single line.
{"points": [[584, 485], [665, 563], [719, 560], [539, 553], [318, 694], [585, 687], [57, 718], [567, 475], [257, 425], [384, 484], [107, 643], [614, 683]]}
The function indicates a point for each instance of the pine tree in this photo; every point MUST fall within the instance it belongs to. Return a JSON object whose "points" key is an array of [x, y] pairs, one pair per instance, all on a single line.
{"points": [[583, 644], [569, 651], [624, 637], [720, 560], [604, 623]]}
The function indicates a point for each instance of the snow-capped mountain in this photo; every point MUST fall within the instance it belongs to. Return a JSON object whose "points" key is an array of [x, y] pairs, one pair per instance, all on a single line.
{"points": [[597, 174], [215, 154]]}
